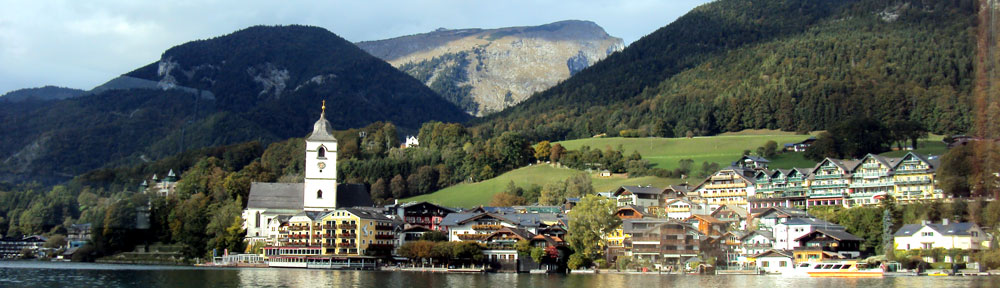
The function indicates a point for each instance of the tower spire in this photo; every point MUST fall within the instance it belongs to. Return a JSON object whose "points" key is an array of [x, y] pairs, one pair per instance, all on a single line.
{"points": [[324, 108]]}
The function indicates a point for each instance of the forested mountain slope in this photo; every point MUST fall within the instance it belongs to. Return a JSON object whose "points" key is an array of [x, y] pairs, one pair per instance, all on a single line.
{"points": [[791, 65]]}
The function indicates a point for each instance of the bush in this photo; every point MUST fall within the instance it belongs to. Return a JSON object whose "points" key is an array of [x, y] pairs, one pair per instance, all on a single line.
{"points": [[577, 261], [600, 263]]}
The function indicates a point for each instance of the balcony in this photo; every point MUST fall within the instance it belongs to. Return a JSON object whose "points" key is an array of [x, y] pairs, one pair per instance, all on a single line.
{"points": [[827, 186], [499, 247], [726, 186], [383, 227], [486, 227], [828, 176], [471, 237], [346, 245], [914, 182], [385, 236], [298, 228], [872, 184], [329, 227], [347, 226], [347, 235]]}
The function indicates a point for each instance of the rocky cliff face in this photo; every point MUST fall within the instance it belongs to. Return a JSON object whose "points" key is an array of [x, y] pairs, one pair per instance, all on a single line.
{"points": [[486, 70]]}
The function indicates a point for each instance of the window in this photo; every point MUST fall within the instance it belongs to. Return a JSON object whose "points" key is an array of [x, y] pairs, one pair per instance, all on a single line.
{"points": [[321, 153], [764, 263], [928, 245], [927, 234], [782, 263], [975, 234], [258, 220], [319, 194]]}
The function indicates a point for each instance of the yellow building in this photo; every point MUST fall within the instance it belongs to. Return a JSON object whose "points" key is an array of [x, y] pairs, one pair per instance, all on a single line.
{"points": [[303, 230], [356, 232], [914, 178], [730, 186]]}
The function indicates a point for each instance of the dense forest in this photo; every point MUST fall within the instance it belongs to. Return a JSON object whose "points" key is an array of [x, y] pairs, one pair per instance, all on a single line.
{"points": [[266, 84], [789, 65]]}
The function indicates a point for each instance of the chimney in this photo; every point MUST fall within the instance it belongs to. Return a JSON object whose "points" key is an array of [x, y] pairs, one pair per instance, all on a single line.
{"points": [[944, 221], [923, 222]]}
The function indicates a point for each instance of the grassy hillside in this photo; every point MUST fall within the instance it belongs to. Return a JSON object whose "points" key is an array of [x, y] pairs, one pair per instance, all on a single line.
{"points": [[480, 193], [666, 152]]}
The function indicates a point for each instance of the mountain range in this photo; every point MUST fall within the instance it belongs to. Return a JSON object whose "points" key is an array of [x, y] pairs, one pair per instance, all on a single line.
{"points": [[487, 70], [260, 83], [794, 65]]}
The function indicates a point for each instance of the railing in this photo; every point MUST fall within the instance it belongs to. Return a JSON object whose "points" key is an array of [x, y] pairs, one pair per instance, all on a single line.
{"points": [[871, 184], [328, 227], [828, 176], [381, 246], [914, 182], [486, 227], [347, 245], [347, 235], [385, 236], [298, 228], [499, 247], [724, 186], [383, 227], [472, 236], [839, 185], [347, 226]]}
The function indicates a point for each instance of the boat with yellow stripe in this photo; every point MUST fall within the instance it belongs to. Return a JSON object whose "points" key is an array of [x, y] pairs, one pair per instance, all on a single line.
{"points": [[846, 269]]}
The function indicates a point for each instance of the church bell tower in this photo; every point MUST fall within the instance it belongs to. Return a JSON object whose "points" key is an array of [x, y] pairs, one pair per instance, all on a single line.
{"points": [[320, 188]]}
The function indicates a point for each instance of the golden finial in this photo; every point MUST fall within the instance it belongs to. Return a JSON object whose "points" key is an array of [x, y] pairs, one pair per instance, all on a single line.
{"points": [[324, 106]]}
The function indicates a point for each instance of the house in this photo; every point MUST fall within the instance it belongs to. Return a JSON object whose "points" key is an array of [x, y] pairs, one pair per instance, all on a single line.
{"points": [[735, 215], [357, 232], [638, 195], [538, 209], [304, 229], [871, 180], [411, 141], [422, 213], [605, 173], [727, 186], [780, 188], [774, 261], [680, 209], [620, 240], [11, 247], [78, 234], [570, 203], [757, 241], [914, 178], [708, 225], [501, 247], [730, 245], [800, 146], [630, 212], [834, 241], [410, 233], [829, 181], [671, 242], [786, 234], [947, 235], [774, 215], [477, 226], [162, 188], [750, 162]]}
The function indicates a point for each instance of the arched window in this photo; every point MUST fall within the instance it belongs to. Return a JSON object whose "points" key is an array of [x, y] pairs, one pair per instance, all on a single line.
{"points": [[257, 224], [321, 153], [319, 194]]}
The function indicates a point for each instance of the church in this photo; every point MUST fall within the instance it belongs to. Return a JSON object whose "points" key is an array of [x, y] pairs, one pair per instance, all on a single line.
{"points": [[270, 204]]}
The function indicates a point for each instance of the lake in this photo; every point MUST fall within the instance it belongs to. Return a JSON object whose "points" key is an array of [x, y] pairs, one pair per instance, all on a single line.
{"points": [[61, 274]]}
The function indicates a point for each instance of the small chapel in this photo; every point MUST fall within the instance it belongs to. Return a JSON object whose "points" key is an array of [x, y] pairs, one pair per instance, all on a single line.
{"points": [[270, 203]]}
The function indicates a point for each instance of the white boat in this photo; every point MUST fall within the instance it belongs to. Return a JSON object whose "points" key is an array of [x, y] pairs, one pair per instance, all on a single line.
{"points": [[849, 269]]}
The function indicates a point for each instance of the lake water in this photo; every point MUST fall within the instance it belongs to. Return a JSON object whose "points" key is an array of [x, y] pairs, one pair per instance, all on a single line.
{"points": [[50, 274]]}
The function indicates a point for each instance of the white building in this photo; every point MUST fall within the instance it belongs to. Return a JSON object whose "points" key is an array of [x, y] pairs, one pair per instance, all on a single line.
{"points": [[319, 191], [775, 261], [962, 235], [411, 141], [786, 233]]}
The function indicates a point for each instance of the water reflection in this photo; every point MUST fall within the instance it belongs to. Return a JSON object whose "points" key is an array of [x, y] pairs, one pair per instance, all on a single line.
{"points": [[46, 274]]}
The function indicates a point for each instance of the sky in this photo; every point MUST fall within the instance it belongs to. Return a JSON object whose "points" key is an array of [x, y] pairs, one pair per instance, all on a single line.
{"points": [[82, 44]]}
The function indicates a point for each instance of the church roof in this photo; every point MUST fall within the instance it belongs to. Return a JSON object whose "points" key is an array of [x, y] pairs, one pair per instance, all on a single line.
{"points": [[322, 130], [353, 195], [275, 196]]}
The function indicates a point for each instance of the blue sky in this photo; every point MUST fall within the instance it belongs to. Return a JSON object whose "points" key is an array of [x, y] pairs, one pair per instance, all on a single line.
{"points": [[81, 44]]}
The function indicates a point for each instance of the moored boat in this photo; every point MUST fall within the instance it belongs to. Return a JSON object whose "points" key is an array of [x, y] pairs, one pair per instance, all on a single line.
{"points": [[849, 269]]}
